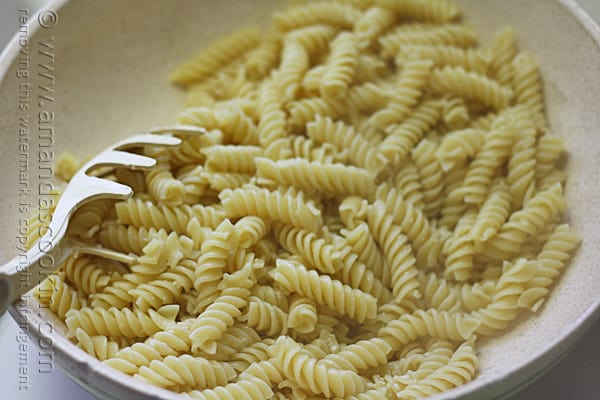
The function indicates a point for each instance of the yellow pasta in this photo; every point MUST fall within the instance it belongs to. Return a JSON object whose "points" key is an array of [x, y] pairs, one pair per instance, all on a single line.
{"points": [[458, 81], [215, 56], [341, 68], [373, 193]]}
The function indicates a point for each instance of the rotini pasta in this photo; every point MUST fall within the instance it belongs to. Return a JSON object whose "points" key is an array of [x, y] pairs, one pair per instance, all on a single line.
{"points": [[325, 291], [459, 82], [275, 205], [331, 179], [341, 68], [372, 189], [217, 55]]}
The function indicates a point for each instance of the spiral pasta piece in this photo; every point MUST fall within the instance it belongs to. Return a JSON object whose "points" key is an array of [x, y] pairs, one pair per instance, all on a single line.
{"points": [[416, 363], [264, 57], [237, 127], [505, 302], [231, 158], [425, 240], [305, 110], [528, 88], [458, 146], [86, 274], [403, 137], [438, 293], [471, 85], [407, 183], [212, 323], [425, 10], [298, 366], [57, 295], [521, 166], [356, 274], [503, 52], [118, 293], [271, 125], [361, 355], [331, 179], [302, 147], [215, 56], [449, 35], [372, 23], [494, 212], [370, 68], [97, 346], [363, 244], [140, 213], [459, 250], [340, 70], [344, 137], [322, 12], [397, 252], [367, 97], [431, 176], [246, 389], [294, 64], [162, 251], [315, 38], [551, 260], [474, 60], [87, 218], [252, 354], [459, 370], [494, 152], [166, 287], [548, 151], [265, 317], [439, 324], [197, 372], [315, 250], [455, 113], [325, 291], [163, 187], [543, 207], [303, 315], [407, 92], [283, 207], [200, 116], [116, 323]]}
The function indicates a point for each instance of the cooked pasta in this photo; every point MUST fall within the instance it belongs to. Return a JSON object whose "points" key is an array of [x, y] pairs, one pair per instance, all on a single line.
{"points": [[294, 277], [374, 192], [341, 68], [195, 371], [303, 315], [449, 35], [57, 295], [332, 13], [297, 365], [215, 56], [459, 82]]}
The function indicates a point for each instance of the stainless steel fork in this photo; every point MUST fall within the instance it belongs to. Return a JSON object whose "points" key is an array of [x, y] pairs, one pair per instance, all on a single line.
{"points": [[52, 249]]}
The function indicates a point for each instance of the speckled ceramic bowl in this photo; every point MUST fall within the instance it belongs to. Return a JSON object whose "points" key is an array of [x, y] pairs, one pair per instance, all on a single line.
{"points": [[111, 59]]}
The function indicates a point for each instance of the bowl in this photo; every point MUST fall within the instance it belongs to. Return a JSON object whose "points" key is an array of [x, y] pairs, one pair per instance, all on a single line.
{"points": [[97, 73]]}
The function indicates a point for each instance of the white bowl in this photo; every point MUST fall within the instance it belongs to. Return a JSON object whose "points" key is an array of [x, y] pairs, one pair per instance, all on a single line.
{"points": [[111, 59]]}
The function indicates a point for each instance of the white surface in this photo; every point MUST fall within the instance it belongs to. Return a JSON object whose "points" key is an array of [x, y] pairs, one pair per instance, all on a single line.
{"points": [[577, 376]]}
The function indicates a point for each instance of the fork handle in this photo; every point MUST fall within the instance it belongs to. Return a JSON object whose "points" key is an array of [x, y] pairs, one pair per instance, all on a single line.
{"points": [[23, 272]]}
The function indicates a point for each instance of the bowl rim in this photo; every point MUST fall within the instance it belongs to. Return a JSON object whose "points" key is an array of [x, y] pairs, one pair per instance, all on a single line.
{"points": [[488, 387]]}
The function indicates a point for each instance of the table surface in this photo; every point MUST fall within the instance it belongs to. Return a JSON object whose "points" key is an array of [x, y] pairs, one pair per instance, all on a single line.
{"points": [[577, 376]]}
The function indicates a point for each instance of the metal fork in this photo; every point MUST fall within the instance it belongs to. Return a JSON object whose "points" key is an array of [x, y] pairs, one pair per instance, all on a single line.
{"points": [[52, 249]]}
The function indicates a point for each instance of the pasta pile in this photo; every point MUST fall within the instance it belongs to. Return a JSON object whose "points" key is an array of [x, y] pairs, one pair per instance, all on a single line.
{"points": [[373, 192]]}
